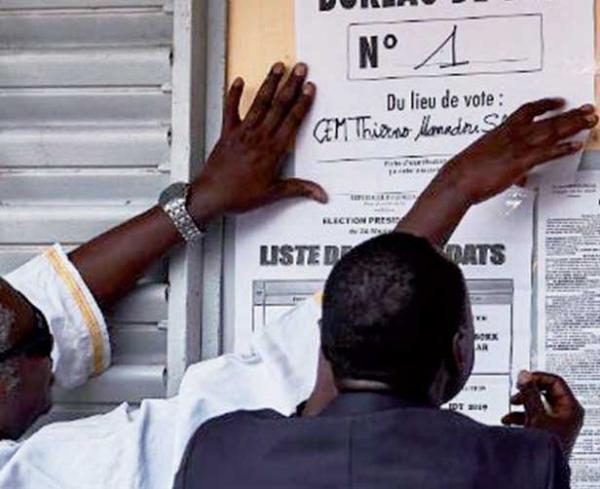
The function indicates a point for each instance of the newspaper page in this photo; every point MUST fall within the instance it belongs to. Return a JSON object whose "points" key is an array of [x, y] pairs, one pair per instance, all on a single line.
{"points": [[403, 85], [569, 305], [285, 254]]}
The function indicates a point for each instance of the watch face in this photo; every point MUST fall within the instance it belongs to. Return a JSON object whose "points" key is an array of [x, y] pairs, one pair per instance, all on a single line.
{"points": [[175, 191]]}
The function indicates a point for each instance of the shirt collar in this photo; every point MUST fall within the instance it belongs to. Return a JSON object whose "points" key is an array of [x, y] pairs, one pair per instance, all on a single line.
{"points": [[353, 403]]}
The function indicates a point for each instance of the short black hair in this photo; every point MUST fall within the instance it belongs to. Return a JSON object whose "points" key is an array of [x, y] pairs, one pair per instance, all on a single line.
{"points": [[391, 308]]}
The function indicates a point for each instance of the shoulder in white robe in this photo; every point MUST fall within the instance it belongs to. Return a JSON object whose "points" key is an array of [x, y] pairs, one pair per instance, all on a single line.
{"points": [[143, 447]]}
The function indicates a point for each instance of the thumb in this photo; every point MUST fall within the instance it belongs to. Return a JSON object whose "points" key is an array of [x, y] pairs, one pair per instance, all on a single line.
{"points": [[295, 188], [514, 419]]}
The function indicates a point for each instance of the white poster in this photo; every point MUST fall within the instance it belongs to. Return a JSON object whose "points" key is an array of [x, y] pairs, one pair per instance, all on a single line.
{"points": [[285, 254], [569, 305], [404, 85]]}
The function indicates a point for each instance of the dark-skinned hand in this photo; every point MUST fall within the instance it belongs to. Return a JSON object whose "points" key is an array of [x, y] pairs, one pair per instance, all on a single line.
{"points": [[562, 415], [498, 160], [506, 155], [243, 171]]}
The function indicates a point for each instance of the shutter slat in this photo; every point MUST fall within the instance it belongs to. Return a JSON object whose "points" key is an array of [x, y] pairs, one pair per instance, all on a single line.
{"points": [[138, 344], [53, 4], [97, 188], [85, 147], [42, 225], [79, 106], [125, 383], [49, 30], [145, 304], [85, 67]]}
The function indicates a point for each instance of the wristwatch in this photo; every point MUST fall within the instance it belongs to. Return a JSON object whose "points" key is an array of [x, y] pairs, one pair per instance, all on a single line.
{"points": [[173, 200]]}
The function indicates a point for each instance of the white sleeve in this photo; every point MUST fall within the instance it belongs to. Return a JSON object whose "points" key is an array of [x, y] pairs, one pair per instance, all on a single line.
{"points": [[279, 372], [81, 341], [144, 448]]}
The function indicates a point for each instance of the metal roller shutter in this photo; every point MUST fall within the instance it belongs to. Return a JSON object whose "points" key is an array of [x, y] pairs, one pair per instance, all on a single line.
{"points": [[87, 140]]}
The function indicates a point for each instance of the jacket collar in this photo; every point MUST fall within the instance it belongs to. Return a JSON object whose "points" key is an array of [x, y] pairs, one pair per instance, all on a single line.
{"points": [[354, 403]]}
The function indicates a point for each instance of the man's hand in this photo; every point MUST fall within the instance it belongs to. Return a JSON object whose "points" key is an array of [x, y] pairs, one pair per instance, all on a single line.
{"points": [[499, 159], [241, 174], [243, 171], [562, 415], [506, 155]]}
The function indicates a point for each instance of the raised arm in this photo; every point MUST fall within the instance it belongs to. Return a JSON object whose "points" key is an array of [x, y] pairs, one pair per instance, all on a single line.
{"points": [[241, 174], [498, 160]]}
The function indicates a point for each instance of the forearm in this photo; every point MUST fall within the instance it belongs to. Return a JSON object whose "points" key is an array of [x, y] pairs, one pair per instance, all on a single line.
{"points": [[437, 212], [112, 263]]}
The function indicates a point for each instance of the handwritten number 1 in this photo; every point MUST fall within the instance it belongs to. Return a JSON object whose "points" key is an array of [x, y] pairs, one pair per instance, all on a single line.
{"points": [[451, 39]]}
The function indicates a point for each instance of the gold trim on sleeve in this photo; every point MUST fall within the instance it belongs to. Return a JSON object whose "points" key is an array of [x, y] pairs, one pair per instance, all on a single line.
{"points": [[89, 317]]}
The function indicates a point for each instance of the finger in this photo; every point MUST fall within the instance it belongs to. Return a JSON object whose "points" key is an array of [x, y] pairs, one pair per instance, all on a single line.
{"points": [[518, 399], [528, 112], [286, 98], [554, 387], [563, 126], [552, 153], [296, 188], [264, 98], [514, 419], [289, 128], [532, 400], [231, 117]]}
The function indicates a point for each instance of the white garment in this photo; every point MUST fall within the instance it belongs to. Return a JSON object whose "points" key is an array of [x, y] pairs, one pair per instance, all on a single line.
{"points": [[127, 449], [54, 286]]}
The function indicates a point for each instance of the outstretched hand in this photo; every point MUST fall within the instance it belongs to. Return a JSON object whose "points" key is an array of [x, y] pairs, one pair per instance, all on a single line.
{"points": [[506, 155], [243, 171], [562, 415], [498, 160]]}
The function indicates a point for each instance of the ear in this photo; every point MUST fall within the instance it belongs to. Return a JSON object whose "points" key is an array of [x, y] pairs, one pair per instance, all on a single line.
{"points": [[453, 373], [458, 362]]}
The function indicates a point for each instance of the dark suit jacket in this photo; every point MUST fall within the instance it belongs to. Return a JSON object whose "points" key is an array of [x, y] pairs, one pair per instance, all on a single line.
{"points": [[368, 441]]}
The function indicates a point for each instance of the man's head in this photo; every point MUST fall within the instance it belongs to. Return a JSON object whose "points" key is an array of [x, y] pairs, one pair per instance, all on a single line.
{"points": [[25, 364], [396, 314]]}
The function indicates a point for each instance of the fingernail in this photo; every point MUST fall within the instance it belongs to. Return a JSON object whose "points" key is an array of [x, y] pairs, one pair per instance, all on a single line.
{"points": [[301, 69], [238, 82], [592, 120], [322, 197], [523, 378], [309, 89], [278, 68], [587, 108], [576, 145]]}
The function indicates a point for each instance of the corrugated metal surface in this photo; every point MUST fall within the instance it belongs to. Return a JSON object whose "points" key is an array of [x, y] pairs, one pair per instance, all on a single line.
{"points": [[37, 30], [54, 4], [85, 117], [106, 146]]}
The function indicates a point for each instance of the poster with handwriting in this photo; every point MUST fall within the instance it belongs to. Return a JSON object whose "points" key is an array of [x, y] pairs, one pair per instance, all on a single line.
{"points": [[405, 85]]}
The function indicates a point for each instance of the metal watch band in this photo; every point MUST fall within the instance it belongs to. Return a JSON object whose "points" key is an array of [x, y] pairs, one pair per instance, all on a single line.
{"points": [[177, 212]]}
